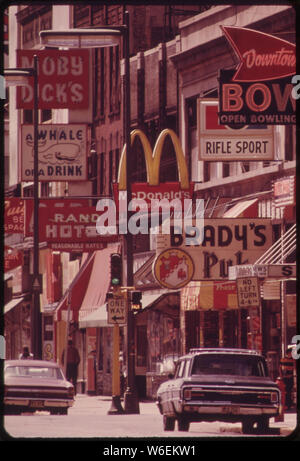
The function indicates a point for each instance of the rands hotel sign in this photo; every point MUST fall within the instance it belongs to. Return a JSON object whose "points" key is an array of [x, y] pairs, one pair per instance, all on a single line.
{"points": [[260, 90], [61, 149]]}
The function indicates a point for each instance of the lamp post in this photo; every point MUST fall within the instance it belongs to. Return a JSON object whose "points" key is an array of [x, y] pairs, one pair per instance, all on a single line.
{"points": [[19, 77], [107, 36]]}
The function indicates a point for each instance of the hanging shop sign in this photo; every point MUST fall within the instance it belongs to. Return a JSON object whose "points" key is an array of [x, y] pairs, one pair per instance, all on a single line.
{"points": [[66, 227], [225, 243], [262, 56], [225, 143], [63, 79], [284, 191], [13, 215], [61, 151], [72, 229], [173, 268], [278, 271], [49, 204], [209, 295], [260, 90], [248, 292]]}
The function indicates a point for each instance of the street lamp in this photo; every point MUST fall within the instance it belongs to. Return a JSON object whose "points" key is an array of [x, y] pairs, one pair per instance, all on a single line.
{"points": [[20, 77], [107, 36]]}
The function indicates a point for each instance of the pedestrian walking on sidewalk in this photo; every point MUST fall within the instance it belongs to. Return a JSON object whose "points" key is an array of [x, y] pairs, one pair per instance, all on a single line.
{"points": [[287, 365], [73, 360]]}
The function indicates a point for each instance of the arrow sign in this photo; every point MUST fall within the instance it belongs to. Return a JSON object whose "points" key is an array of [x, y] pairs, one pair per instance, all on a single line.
{"points": [[117, 311], [115, 318]]}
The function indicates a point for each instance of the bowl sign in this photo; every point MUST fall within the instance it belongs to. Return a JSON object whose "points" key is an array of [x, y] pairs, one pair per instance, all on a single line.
{"points": [[260, 90]]}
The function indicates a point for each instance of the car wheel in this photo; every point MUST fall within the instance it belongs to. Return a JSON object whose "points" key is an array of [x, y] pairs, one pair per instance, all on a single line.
{"points": [[263, 425], [183, 424], [247, 426], [63, 411], [169, 423]]}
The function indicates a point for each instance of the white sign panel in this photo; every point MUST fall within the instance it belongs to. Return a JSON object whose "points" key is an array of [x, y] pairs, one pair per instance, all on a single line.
{"points": [[225, 243], [117, 311], [223, 143], [248, 292], [61, 151], [263, 271]]}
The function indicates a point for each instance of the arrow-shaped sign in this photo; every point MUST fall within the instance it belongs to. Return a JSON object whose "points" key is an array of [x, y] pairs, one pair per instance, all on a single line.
{"points": [[115, 318]]}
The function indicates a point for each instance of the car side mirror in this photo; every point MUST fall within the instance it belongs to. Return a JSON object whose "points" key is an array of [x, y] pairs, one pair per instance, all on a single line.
{"points": [[171, 376]]}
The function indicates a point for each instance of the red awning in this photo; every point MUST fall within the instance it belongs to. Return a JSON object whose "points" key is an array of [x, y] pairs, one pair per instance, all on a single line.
{"points": [[99, 282], [76, 290], [243, 209]]}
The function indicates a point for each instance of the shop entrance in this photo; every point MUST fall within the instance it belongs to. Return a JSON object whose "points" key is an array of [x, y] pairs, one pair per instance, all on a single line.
{"points": [[214, 328]]}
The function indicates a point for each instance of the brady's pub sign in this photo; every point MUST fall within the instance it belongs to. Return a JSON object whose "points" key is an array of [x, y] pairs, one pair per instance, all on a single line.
{"points": [[260, 90]]}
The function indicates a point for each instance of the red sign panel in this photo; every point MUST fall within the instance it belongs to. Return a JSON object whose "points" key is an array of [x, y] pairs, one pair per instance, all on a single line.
{"points": [[168, 190], [225, 295], [13, 216], [49, 204], [284, 191], [12, 258], [63, 79], [262, 56]]}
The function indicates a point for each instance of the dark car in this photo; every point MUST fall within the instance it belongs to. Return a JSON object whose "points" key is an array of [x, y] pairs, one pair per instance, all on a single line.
{"points": [[219, 385], [31, 385]]}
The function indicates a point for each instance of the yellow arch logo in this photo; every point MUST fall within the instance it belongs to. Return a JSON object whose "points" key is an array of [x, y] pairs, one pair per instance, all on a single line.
{"points": [[153, 158]]}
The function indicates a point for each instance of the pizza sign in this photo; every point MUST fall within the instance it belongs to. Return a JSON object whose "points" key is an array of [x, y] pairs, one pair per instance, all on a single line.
{"points": [[173, 268]]}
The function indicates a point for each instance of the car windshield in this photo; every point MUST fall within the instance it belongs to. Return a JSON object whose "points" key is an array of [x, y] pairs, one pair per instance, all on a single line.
{"points": [[221, 364], [34, 372]]}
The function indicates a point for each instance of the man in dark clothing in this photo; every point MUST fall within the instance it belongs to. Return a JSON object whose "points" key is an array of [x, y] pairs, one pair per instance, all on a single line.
{"points": [[287, 372], [73, 360], [26, 354]]}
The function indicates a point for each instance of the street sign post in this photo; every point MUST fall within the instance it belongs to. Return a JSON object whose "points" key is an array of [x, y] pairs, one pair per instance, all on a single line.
{"points": [[116, 311]]}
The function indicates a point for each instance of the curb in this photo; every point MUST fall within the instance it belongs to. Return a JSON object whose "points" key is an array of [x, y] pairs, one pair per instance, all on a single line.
{"points": [[272, 430]]}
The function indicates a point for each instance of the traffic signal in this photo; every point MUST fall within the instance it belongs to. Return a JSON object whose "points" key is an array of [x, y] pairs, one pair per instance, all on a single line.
{"points": [[136, 297], [116, 269]]}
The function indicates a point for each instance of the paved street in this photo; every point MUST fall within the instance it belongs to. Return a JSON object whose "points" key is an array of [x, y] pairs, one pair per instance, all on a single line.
{"points": [[89, 419]]}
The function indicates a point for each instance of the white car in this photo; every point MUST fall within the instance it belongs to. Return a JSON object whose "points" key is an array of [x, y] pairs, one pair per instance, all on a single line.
{"points": [[31, 385]]}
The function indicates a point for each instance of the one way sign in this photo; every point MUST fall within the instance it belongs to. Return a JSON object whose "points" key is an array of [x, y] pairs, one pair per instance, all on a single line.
{"points": [[116, 311]]}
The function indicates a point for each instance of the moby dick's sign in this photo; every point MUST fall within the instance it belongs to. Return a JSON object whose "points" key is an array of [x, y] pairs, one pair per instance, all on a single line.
{"points": [[260, 90]]}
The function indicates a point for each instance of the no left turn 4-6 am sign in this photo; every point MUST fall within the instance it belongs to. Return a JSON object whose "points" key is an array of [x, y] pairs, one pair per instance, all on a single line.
{"points": [[248, 292]]}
